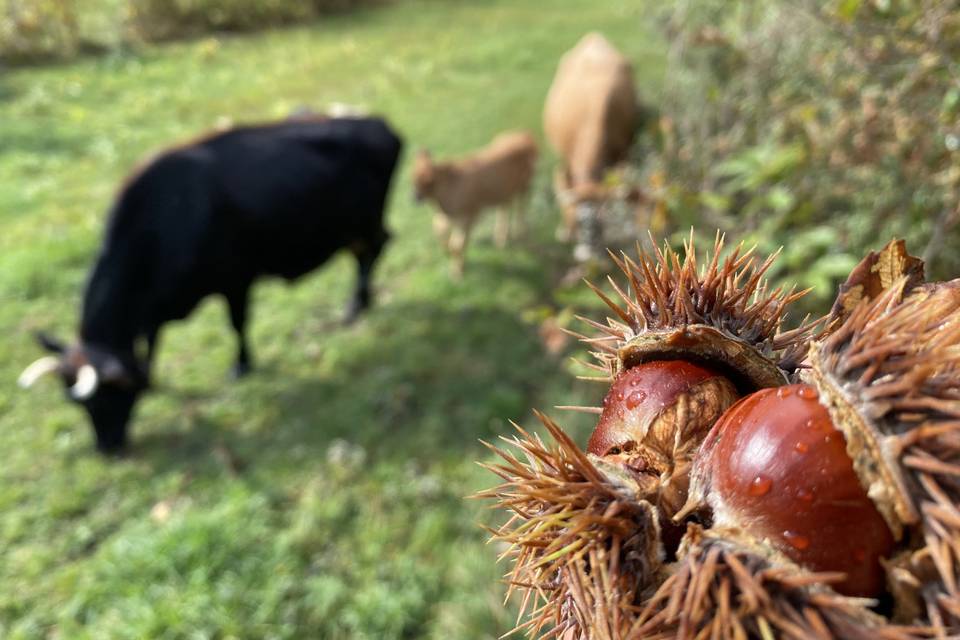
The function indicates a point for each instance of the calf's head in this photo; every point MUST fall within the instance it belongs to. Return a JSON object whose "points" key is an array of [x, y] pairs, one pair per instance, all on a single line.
{"points": [[423, 175], [104, 383]]}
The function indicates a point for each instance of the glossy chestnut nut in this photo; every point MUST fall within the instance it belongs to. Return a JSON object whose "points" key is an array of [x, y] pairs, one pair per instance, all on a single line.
{"points": [[642, 394], [654, 418], [777, 468]]}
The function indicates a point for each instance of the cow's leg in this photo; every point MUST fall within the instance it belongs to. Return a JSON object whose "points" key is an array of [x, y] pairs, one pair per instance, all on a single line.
{"points": [[238, 300], [562, 193], [589, 239], [366, 255], [153, 338]]}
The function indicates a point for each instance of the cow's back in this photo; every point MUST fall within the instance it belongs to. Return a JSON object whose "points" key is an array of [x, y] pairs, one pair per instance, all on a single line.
{"points": [[296, 192], [268, 200], [590, 111]]}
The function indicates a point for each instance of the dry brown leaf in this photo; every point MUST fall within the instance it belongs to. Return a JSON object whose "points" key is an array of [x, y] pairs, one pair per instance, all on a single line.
{"points": [[874, 275]]}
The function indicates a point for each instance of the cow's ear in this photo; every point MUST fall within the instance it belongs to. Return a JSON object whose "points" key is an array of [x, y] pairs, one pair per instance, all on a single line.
{"points": [[111, 369], [121, 372], [49, 343]]}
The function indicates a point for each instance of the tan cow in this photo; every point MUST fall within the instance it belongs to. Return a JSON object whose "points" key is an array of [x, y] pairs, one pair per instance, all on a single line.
{"points": [[499, 175], [589, 118]]}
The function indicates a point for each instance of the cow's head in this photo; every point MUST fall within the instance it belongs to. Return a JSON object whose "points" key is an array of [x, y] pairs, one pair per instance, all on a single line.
{"points": [[423, 175], [105, 383]]}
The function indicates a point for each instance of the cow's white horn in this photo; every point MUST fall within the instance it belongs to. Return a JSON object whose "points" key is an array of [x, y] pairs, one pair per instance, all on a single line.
{"points": [[38, 369], [86, 384]]}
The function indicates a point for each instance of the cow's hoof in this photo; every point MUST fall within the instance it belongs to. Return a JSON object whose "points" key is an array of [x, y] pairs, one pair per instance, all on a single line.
{"points": [[352, 316], [240, 370], [112, 450]]}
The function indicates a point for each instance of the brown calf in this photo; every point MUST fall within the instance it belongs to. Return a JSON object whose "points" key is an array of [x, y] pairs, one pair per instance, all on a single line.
{"points": [[496, 176]]}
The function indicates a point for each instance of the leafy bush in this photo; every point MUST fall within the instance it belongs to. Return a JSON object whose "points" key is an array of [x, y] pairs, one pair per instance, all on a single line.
{"points": [[39, 30], [822, 127], [165, 19], [33, 30]]}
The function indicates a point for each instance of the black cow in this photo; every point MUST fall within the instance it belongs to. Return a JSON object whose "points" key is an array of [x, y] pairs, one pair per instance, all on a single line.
{"points": [[211, 217]]}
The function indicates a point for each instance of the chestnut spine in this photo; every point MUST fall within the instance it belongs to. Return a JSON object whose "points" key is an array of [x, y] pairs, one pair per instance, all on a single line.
{"points": [[574, 556], [587, 531], [890, 377], [721, 314], [581, 537]]}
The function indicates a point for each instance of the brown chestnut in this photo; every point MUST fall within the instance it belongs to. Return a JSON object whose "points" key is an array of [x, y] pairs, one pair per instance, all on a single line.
{"points": [[775, 467]]}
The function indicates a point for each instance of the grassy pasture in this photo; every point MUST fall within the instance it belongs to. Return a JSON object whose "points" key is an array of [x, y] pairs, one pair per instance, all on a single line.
{"points": [[322, 496]]}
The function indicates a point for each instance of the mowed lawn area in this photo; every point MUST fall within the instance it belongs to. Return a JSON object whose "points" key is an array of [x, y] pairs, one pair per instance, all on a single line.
{"points": [[323, 496]]}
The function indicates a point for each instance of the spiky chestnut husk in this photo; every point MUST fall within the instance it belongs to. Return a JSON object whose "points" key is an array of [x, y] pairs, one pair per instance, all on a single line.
{"points": [[584, 542], [720, 315], [890, 369], [888, 380], [727, 586], [689, 340], [845, 617]]}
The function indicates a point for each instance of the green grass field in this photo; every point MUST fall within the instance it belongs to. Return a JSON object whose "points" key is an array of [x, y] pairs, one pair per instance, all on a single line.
{"points": [[323, 496]]}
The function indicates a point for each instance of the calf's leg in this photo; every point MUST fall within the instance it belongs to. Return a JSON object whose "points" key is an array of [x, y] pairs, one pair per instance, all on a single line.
{"points": [[238, 300], [458, 248], [501, 229], [441, 228]]}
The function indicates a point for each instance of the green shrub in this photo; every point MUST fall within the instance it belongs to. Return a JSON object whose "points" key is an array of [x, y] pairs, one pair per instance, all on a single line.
{"points": [[824, 127], [39, 30], [32, 30], [155, 20]]}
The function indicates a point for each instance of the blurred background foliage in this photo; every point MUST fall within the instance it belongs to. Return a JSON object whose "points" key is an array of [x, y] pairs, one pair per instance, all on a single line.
{"points": [[43, 30], [822, 127]]}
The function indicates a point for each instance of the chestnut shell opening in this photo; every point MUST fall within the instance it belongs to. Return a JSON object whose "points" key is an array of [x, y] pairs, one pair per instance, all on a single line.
{"points": [[742, 363]]}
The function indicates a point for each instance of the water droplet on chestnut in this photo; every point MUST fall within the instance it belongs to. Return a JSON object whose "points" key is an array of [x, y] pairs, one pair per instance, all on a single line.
{"points": [[760, 486], [807, 392], [635, 398], [796, 540]]}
